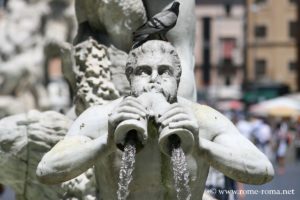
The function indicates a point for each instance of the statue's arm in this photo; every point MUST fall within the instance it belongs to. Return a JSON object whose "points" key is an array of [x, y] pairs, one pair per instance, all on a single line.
{"points": [[229, 152], [86, 140]]}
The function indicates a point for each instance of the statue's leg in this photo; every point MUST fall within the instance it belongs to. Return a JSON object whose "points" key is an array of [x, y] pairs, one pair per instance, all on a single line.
{"points": [[182, 36]]}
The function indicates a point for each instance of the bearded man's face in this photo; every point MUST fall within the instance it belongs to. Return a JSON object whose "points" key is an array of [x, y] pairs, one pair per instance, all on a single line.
{"points": [[154, 72]]}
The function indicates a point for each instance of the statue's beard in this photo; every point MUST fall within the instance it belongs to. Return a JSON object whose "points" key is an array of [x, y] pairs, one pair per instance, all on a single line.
{"points": [[169, 93]]}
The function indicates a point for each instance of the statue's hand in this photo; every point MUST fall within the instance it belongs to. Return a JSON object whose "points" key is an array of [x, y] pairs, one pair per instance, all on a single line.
{"points": [[129, 108], [178, 116]]}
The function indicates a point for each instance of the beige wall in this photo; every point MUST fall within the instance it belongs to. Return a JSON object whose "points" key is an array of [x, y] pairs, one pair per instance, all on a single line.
{"points": [[221, 27], [278, 48]]}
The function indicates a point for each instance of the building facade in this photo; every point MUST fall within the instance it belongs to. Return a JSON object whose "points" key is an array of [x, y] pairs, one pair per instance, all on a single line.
{"points": [[219, 47], [271, 50]]}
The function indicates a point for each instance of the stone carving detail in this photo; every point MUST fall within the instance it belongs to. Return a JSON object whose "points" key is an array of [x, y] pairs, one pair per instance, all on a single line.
{"points": [[92, 72], [83, 187], [118, 60], [24, 139], [17, 66], [113, 22], [110, 21]]}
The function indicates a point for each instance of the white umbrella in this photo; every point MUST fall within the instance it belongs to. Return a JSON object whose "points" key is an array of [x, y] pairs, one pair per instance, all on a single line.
{"points": [[286, 106]]}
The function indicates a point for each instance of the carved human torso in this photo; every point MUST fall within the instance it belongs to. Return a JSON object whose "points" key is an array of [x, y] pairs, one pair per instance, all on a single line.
{"points": [[152, 176]]}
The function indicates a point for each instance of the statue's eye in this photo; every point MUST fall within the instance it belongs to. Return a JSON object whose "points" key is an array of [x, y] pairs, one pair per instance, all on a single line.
{"points": [[165, 70], [143, 70]]}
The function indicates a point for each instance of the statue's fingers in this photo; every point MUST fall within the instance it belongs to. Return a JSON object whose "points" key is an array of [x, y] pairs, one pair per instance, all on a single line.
{"points": [[175, 118], [119, 117], [174, 105], [170, 113], [133, 99], [131, 109], [186, 124], [134, 103]]}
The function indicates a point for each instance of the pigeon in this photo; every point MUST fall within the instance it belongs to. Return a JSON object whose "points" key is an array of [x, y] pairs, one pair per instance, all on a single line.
{"points": [[157, 26]]}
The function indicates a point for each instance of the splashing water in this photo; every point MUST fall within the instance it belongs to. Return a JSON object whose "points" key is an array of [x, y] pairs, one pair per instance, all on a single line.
{"points": [[127, 167], [181, 174]]}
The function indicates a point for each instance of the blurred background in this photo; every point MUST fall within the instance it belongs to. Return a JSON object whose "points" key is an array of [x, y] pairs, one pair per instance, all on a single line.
{"points": [[246, 66]]}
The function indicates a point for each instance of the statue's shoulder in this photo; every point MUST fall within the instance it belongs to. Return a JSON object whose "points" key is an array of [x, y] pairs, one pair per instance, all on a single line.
{"points": [[107, 107], [194, 105], [200, 110]]}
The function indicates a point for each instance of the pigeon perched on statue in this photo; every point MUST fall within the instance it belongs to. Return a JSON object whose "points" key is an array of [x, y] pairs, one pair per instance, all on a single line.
{"points": [[157, 26]]}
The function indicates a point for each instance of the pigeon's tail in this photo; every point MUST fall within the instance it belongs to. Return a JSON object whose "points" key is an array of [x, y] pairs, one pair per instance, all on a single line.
{"points": [[136, 45], [138, 41], [140, 37]]}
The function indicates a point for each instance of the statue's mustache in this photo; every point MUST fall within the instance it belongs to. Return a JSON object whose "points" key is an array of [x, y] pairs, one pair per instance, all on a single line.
{"points": [[156, 88], [153, 86]]}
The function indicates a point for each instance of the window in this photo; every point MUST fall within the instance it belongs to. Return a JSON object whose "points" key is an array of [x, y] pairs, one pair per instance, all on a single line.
{"points": [[260, 68], [228, 9], [260, 31], [293, 29], [228, 46], [292, 66], [3, 3], [260, 1]]}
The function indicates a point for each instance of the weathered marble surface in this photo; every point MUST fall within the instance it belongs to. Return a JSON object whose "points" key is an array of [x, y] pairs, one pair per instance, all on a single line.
{"points": [[93, 76], [96, 73], [22, 59], [182, 36], [112, 22], [24, 139], [153, 70]]}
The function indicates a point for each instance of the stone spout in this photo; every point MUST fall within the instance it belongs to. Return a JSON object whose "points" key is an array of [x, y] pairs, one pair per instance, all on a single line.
{"points": [[170, 138], [156, 104], [131, 131], [136, 130], [174, 138]]}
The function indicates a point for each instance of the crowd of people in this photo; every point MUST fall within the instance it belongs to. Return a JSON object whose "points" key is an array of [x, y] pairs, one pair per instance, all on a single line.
{"points": [[272, 136]]}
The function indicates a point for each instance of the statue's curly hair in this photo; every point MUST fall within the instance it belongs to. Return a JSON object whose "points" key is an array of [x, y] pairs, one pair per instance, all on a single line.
{"points": [[151, 47]]}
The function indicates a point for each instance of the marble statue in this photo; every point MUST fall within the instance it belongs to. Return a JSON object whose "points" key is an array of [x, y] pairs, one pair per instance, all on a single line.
{"points": [[113, 22], [156, 112]]}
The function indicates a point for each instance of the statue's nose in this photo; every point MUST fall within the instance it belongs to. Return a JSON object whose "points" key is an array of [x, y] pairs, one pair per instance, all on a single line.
{"points": [[154, 76]]}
